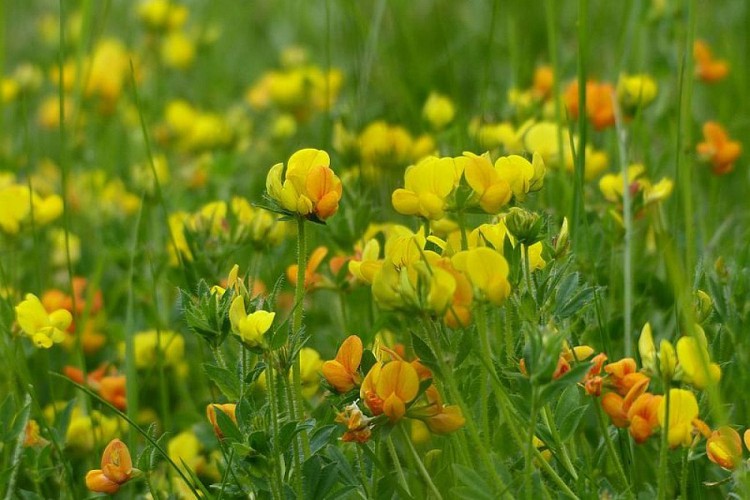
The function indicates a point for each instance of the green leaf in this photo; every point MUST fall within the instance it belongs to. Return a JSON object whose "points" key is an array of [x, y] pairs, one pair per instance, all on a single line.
{"points": [[571, 421], [424, 353], [227, 427], [472, 485], [225, 380]]}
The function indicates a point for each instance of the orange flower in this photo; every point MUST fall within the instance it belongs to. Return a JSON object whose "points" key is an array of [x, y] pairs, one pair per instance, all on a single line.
{"points": [[357, 424], [112, 389], [388, 388], [718, 148], [644, 416], [623, 375], [32, 437], [592, 382], [724, 447], [618, 408], [228, 409], [599, 103], [312, 278], [342, 372], [544, 77], [117, 469], [707, 68]]}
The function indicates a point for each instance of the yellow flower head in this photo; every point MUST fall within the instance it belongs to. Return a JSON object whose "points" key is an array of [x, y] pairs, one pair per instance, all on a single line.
{"points": [[427, 187], [42, 327], [249, 327], [636, 91], [683, 409], [695, 366], [438, 110], [310, 188], [487, 271], [493, 192]]}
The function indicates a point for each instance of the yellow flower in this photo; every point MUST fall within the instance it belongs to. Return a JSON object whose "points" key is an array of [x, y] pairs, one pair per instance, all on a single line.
{"points": [[310, 365], [42, 327], [612, 185], [249, 327], [186, 450], [426, 187], [368, 264], [695, 364], [521, 175], [310, 188], [178, 50], [170, 346], [488, 272], [683, 409], [636, 91], [162, 14], [438, 110], [484, 179]]}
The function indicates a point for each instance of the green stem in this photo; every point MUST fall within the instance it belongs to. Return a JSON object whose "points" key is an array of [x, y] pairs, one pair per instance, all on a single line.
{"points": [[396, 463], [583, 8], [18, 451], [384, 470], [611, 448], [530, 441], [420, 465], [661, 486], [564, 456], [273, 402], [299, 297]]}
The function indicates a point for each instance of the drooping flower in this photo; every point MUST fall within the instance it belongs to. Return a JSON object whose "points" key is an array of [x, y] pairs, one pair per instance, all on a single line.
{"points": [[116, 469], [309, 188], [42, 327], [342, 372]]}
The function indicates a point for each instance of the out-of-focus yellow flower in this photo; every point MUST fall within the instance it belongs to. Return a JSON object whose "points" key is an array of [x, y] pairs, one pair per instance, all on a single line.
{"points": [[683, 409], [178, 50], [168, 345], [109, 70], [85, 431], [494, 135], [310, 365], [249, 327], [487, 271], [438, 110], [116, 469], [636, 91], [49, 112], [9, 89], [186, 450], [612, 185], [427, 185], [342, 372], [707, 68], [388, 388], [41, 327], [386, 146], [162, 14], [695, 366], [309, 188], [718, 148], [724, 447]]}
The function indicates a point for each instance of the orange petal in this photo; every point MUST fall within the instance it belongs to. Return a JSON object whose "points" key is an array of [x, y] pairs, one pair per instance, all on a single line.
{"points": [[96, 481]]}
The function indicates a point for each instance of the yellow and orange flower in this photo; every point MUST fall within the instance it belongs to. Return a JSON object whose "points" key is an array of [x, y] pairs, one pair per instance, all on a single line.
{"points": [[117, 469], [309, 187], [229, 409], [388, 388], [599, 103], [724, 447]]}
